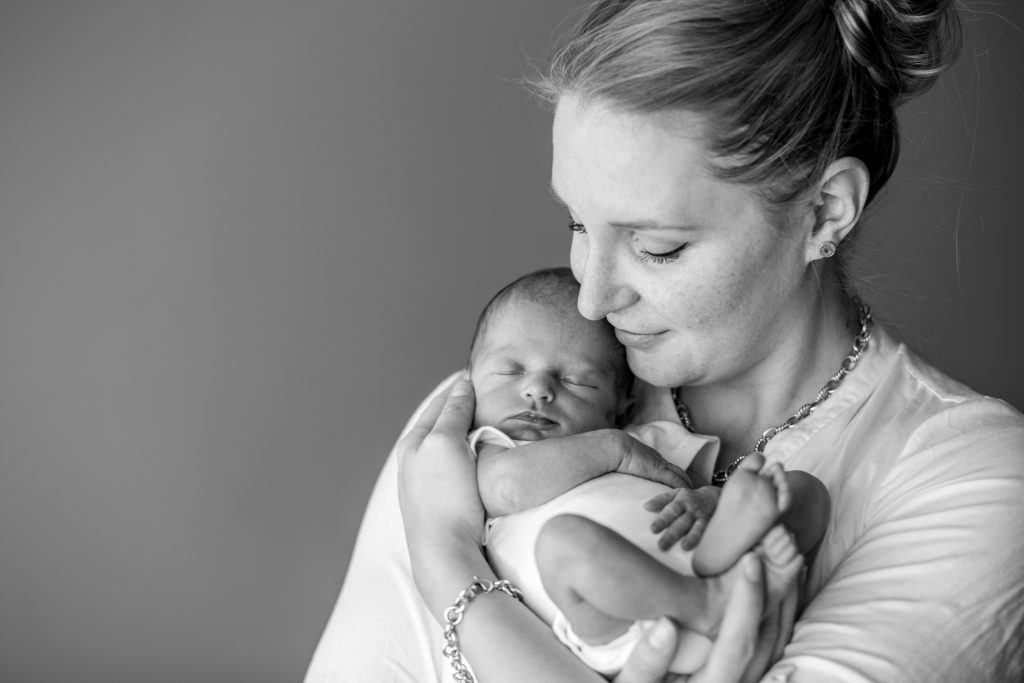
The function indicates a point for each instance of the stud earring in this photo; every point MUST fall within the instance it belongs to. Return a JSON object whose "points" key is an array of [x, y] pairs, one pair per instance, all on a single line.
{"points": [[827, 249]]}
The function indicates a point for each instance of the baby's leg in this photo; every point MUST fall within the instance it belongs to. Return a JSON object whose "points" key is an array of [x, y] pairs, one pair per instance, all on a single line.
{"points": [[749, 506], [602, 583]]}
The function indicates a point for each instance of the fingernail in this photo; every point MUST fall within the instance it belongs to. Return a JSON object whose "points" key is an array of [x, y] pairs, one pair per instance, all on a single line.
{"points": [[461, 387], [661, 634]]}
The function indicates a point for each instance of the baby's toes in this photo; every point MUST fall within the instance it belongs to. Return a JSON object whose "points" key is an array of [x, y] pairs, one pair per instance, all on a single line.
{"points": [[777, 474], [778, 546]]}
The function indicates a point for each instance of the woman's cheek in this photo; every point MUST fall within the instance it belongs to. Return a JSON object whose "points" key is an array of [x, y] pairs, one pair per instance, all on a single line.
{"points": [[577, 257]]}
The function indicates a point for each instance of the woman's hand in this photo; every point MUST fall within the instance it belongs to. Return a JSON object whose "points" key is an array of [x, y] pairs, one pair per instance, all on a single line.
{"points": [[745, 646], [438, 494]]}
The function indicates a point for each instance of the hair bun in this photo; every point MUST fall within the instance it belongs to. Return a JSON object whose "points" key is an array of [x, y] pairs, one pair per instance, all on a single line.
{"points": [[902, 44]]}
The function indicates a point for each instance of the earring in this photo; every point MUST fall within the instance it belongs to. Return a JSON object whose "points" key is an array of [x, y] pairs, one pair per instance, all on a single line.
{"points": [[827, 249]]}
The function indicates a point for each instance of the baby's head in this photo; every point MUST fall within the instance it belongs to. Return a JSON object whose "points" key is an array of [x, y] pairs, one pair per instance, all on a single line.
{"points": [[539, 368]]}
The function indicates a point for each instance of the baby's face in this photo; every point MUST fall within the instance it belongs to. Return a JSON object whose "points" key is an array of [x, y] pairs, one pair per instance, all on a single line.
{"points": [[539, 373]]}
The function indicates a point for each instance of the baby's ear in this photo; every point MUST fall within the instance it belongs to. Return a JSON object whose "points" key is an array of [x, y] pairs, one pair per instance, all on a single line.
{"points": [[625, 411]]}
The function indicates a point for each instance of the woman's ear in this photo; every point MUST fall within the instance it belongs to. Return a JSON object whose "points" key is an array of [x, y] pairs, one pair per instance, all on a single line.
{"points": [[838, 202]]}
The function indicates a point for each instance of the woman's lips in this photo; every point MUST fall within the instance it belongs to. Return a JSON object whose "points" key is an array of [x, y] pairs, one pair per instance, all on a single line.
{"points": [[638, 340]]}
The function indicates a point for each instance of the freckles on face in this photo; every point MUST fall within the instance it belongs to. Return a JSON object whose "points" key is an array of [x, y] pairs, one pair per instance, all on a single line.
{"points": [[641, 187]]}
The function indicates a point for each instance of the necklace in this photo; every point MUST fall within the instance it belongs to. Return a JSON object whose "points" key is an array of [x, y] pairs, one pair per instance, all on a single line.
{"points": [[860, 344]]}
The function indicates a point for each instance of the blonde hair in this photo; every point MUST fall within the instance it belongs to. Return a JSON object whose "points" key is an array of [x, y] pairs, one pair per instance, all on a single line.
{"points": [[789, 85]]}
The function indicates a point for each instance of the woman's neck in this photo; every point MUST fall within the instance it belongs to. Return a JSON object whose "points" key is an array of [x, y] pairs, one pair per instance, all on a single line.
{"points": [[806, 353]]}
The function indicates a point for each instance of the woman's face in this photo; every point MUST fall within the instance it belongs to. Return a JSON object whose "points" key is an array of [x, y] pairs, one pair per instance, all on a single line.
{"points": [[700, 281]]}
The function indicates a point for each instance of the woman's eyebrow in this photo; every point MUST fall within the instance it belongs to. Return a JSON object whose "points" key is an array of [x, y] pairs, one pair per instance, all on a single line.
{"points": [[629, 225], [650, 225]]}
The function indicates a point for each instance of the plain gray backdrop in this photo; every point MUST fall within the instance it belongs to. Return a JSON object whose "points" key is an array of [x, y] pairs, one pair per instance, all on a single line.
{"points": [[240, 240]]}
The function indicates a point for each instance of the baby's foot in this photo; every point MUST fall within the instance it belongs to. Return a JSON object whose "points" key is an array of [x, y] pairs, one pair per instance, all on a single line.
{"points": [[749, 506], [782, 564], [753, 461], [777, 475]]}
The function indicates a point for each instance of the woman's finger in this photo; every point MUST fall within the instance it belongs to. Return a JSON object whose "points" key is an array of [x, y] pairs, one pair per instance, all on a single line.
{"points": [[737, 639], [427, 420], [786, 620], [650, 659], [456, 416]]}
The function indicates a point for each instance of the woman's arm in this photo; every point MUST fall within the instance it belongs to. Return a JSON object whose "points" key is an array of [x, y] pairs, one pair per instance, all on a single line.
{"points": [[443, 518], [380, 628], [932, 589]]}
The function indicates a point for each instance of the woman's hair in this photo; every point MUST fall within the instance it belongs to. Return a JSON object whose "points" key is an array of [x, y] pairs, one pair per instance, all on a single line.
{"points": [[788, 85]]}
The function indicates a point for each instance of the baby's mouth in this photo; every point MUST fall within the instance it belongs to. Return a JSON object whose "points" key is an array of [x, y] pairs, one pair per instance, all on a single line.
{"points": [[535, 419]]}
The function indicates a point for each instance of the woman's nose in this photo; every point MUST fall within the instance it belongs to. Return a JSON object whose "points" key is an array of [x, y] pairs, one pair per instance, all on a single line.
{"points": [[538, 387], [602, 290]]}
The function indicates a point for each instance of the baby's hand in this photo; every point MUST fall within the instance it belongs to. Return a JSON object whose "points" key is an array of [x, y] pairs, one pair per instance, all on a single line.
{"points": [[642, 461], [684, 514]]}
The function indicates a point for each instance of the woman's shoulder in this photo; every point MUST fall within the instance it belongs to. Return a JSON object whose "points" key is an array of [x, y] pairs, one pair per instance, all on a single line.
{"points": [[941, 414], [964, 407], [900, 419]]}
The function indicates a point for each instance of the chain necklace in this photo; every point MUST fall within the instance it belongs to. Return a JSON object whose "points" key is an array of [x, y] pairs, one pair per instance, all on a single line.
{"points": [[860, 344]]}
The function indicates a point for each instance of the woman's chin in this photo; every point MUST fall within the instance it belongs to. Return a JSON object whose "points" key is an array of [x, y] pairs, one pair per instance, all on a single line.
{"points": [[657, 369]]}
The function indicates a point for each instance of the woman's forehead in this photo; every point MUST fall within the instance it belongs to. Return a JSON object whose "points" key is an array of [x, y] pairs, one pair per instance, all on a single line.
{"points": [[627, 163]]}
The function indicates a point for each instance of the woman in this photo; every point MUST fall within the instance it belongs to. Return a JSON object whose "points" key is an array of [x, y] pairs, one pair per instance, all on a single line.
{"points": [[715, 159]]}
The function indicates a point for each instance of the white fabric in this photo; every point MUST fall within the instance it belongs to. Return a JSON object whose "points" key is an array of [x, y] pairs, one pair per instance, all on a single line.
{"points": [[612, 500], [608, 658], [920, 576]]}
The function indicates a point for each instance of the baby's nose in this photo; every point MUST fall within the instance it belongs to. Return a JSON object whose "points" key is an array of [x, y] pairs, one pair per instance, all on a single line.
{"points": [[538, 387]]}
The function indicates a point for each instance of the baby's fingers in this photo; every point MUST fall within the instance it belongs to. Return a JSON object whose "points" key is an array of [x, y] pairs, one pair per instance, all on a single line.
{"points": [[659, 501], [672, 511], [678, 528], [693, 536]]}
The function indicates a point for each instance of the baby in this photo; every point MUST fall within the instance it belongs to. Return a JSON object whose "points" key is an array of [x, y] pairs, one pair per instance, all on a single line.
{"points": [[571, 498]]}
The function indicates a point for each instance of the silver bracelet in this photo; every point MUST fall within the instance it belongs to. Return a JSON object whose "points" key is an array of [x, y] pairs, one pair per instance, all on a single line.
{"points": [[453, 615]]}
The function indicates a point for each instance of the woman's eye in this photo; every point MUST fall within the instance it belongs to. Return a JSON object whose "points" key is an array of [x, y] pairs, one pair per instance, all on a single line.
{"points": [[662, 257], [576, 226]]}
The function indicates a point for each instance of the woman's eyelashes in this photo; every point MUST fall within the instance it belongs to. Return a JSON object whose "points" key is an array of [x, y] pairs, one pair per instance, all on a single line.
{"points": [[645, 255], [662, 257]]}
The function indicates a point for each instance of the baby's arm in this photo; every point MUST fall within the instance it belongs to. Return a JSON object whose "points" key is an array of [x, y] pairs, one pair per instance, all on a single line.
{"points": [[533, 473]]}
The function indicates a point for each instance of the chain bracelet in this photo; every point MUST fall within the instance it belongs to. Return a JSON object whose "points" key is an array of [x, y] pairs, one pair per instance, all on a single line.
{"points": [[453, 615]]}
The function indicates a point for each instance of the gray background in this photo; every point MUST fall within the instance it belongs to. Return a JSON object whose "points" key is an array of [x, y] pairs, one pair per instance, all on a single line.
{"points": [[239, 241]]}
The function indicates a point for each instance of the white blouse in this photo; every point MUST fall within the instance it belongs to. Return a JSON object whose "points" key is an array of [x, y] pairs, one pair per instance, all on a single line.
{"points": [[920, 576]]}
